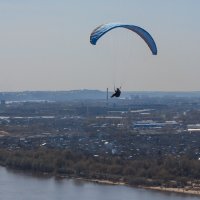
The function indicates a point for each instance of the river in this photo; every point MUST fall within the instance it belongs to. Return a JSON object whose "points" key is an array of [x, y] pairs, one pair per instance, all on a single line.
{"points": [[21, 186]]}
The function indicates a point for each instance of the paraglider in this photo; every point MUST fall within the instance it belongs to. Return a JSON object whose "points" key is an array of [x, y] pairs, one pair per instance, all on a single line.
{"points": [[98, 32]]}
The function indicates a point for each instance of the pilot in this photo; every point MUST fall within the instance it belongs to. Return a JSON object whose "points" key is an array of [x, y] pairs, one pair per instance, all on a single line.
{"points": [[117, 93]]}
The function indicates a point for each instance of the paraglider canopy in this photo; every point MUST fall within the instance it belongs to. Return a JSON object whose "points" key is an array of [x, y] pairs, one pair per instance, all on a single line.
{"points": [[103, 29]]}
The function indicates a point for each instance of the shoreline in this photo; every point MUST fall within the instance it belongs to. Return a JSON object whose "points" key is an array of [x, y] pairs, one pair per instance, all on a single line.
{"points": [[156, 188], [175, 190], [185, 190], [106, 182]]}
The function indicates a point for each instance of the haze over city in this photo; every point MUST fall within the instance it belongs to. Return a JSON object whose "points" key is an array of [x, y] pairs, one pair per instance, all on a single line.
{"points": [[45, 45]]}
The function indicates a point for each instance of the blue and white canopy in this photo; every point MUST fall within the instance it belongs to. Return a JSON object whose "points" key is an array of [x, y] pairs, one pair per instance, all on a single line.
{"points": [[103, 29]]}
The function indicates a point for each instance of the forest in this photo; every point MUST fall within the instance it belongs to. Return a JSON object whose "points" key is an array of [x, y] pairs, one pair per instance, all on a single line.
{"points": [[163, 171]]}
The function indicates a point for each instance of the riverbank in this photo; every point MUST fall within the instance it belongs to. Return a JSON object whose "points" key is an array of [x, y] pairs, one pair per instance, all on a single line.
{"points": [[184, 190], [17, 186], [106, 182]]}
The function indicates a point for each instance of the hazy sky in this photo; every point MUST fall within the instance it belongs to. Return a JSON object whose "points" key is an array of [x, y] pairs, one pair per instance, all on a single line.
{"points": [[44, 45]]}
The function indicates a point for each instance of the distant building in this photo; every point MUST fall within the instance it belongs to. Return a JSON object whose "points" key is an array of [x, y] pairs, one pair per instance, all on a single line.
{"points": [[147, 124], [151, 124], [193, 128]]}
